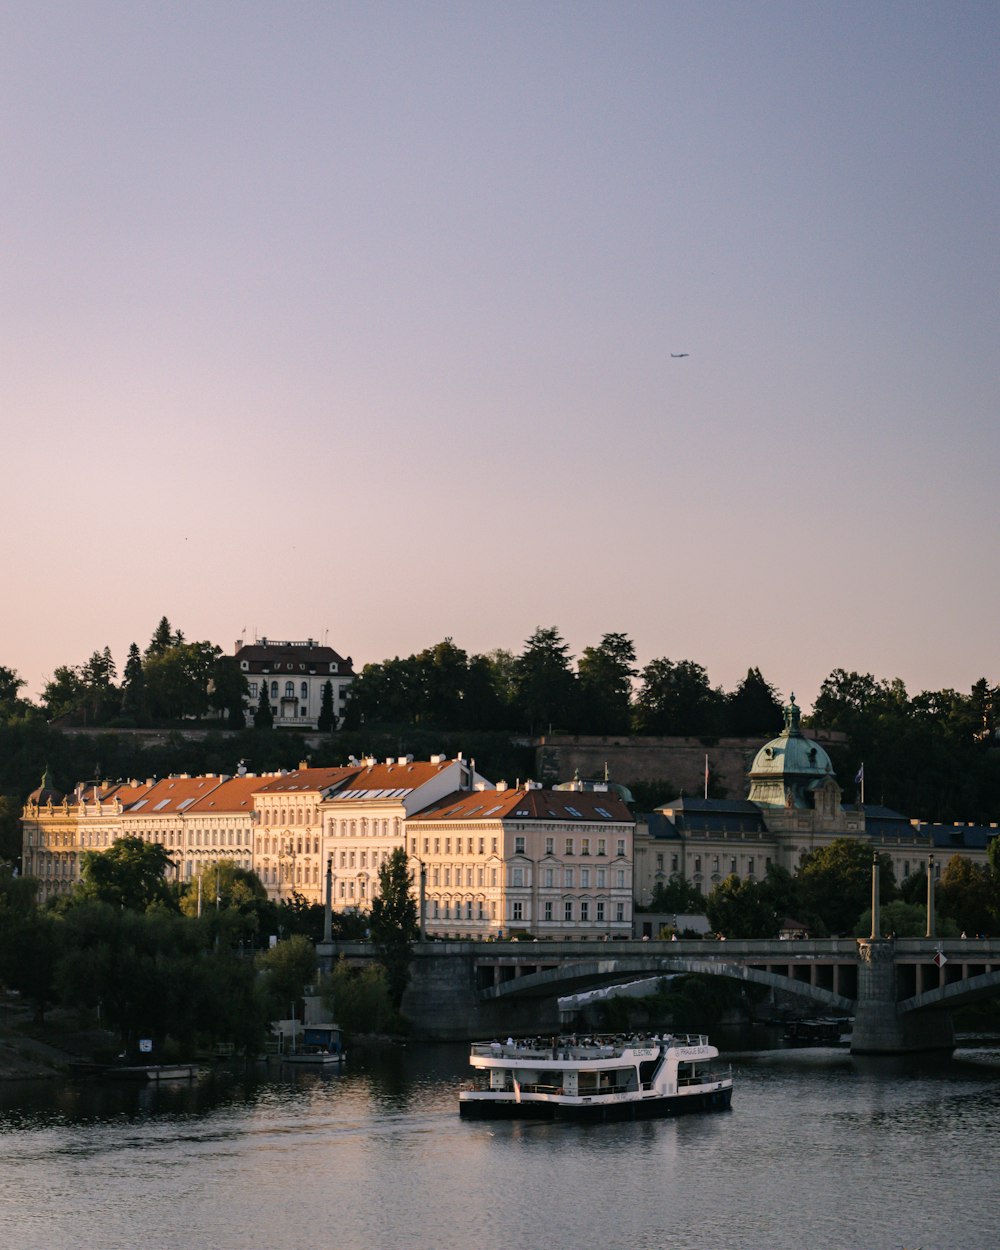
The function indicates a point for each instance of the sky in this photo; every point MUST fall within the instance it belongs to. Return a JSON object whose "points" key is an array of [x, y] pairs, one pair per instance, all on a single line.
{"points": [[364, 321]]}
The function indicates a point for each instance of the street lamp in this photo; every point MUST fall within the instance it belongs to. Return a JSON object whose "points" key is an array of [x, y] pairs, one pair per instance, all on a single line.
{"points": [[930, 895]]}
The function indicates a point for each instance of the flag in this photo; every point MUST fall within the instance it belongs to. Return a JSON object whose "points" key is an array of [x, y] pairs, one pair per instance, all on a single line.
{"points": [[861, 775], [517, 1090]]}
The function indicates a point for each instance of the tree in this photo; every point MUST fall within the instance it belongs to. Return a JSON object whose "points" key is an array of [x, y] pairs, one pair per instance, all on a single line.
{"points": [[134, 701], [605, 684], [228, 690], [178, 679], [164, 637], [546, 689], [394, 923], [11, 703], [753, 709], [742, 909], [835, 883], [968, 893], [287, 969], [677, 896], [358, 999], [676, 699], [263, 718], [64, 693], [327, 721], [129, 874]]}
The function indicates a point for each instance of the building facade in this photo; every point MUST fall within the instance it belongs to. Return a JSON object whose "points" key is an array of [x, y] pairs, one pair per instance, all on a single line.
{"points": [[793, 807], [506, 861], [294, 674]]}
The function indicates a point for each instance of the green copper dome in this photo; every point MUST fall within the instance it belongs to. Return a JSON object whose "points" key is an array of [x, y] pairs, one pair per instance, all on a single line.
{"points": [[786, 771]]}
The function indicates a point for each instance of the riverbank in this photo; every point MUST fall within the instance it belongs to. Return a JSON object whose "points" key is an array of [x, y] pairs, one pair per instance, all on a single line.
{"points": [[33, 1051]]}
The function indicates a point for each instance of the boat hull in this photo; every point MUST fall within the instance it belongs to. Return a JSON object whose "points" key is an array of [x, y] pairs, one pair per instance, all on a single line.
{"points": [[508, 1108]]}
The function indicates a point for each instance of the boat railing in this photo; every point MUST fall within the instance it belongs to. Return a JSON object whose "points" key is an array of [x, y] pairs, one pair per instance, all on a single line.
{"points": [[577, 1048]]}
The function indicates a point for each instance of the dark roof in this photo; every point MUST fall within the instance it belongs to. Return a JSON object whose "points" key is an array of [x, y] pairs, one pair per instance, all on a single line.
{"points": [[687, 815]]}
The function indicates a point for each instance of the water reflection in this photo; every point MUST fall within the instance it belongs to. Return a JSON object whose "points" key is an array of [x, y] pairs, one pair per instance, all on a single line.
{"points": [[819, 1149]]}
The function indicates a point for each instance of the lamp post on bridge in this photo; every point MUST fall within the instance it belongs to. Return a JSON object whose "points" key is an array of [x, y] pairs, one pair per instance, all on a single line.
{"points": [[875, 910], [930, 896], [328, 914]]}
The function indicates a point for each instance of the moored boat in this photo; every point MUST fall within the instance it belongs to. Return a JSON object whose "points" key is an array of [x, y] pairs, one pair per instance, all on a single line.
{"points": [[321, 1045], [595, 1078]]}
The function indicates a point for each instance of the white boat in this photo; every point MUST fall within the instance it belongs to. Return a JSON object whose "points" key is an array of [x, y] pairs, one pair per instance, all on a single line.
{"points": [[595, 1078]]}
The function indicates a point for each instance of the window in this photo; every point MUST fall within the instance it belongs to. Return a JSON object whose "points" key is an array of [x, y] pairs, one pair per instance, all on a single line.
{"points": [[621, 846], [548, 911], [600, 911], [602, 846], [659, 863], [289, 689], [517, 911], [585, 847], [303, 691], [621, 878], [517, 877], [548, 846], [750, 866], [674, 863], [274, 689], [519, 846], [732, 864], [619, 912], [468, 909], [427, 843], [568, 910], [569, 846], [568, 874], [253, 690], [602, 876], [585, 878], [697, 863], [548, 878], [584, 910], [447, 846], [493, 846]]}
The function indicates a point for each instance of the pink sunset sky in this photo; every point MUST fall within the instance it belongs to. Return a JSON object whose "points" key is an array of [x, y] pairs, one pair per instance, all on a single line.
{"points": [[356, 321]]}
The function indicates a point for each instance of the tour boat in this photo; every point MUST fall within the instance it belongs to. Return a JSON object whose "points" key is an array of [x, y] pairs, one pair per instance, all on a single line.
{"points": [[594, 1078]]}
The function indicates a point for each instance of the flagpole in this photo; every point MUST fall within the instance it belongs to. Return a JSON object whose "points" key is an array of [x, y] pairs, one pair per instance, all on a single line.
{"points": [[706, 775]]}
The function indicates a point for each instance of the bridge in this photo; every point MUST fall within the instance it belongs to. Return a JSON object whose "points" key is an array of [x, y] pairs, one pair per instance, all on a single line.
{"points": [[901, 993]]}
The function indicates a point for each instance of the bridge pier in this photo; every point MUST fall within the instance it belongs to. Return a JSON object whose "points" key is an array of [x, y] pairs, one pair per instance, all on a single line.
{"points": [[880, 1028]]}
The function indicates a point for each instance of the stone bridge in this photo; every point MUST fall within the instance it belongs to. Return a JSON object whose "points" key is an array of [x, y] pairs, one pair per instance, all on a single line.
{"points": [[900, 993]]}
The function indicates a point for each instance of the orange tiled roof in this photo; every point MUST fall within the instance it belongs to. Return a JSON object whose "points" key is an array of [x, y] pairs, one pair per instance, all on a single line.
{"points": [[569, 805], [173, 795]]}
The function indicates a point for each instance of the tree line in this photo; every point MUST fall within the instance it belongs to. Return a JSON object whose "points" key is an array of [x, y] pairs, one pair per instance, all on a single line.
{"points": [[829, 895], [932, 754], [189, 966]]}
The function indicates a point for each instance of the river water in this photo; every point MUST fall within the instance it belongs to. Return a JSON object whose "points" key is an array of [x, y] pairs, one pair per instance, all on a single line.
{"points": [[821, 1151]]}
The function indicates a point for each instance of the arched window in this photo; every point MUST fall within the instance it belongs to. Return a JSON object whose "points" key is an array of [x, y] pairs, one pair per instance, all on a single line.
{"points": [[274, 689], [289, 689], [305, 691]]}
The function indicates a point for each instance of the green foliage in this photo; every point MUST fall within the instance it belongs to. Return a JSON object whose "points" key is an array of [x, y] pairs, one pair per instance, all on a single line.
{"points": [[228, 689], [129, 874], [605, 684], [905, 920], [834, 883], [359, 999], [969, 893], [675, 698], [263, 717], [754, 708], [678, 896], [545, 688], [286, 969], [394, 923], [158, 976], [742, 909], [327, 720]]}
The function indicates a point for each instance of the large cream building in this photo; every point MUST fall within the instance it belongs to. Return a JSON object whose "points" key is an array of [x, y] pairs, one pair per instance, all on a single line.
{"points": [[793, 806]]}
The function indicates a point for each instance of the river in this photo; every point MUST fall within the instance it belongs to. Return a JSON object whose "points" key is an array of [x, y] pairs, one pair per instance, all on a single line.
{"points": [[821, 1151]]}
